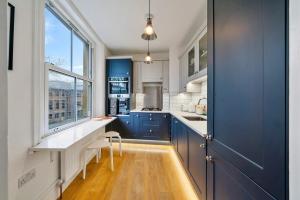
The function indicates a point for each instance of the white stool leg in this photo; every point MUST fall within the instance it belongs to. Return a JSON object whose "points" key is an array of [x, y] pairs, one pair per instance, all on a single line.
{"points": [[111, 158], [97, 156], [100, 153], [120, 145], [84, 165]]}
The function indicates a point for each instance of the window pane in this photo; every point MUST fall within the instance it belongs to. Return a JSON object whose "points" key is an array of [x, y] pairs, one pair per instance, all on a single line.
{"points": [[57, 41], [84, 89], [80, 58], [61, 100]]}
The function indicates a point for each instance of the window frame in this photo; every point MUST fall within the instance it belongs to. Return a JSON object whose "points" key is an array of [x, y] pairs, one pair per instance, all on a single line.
{"points": [[51, 67]]}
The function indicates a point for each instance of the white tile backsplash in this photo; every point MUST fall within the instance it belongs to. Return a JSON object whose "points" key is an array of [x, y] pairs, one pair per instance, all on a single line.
{"points": [[174, 101]]}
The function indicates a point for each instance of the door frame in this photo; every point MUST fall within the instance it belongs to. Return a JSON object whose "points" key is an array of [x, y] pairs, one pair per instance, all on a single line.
{"points": [[3, 101], [210, 85]]}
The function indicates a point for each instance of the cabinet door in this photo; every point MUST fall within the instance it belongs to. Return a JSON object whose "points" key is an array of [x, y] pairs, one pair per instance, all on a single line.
{"points": [[125, 127], [247, 78], [152, 72], [174, 132], [137, 78], [182, 143], [197, 161], [136, 126], [165, 126], [120, 67], [183, 73], [165, 76]]}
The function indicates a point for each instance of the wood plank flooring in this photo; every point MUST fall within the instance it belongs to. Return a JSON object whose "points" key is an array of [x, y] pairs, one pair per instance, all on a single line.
{"points": [[144, 172]]}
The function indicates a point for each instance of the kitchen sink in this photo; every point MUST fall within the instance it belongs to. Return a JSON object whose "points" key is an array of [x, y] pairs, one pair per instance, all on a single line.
{"points": [[194, 118]]}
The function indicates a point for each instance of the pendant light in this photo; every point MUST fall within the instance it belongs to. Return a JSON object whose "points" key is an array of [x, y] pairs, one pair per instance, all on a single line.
{"points": [[149, 33], [148, 59]]}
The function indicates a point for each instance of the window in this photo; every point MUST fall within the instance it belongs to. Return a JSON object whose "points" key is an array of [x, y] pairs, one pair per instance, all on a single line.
{"points": [[68, 67]]}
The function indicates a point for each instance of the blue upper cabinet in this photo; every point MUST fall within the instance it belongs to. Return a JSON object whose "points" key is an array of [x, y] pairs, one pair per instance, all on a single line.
{"points": [[119, 67]]}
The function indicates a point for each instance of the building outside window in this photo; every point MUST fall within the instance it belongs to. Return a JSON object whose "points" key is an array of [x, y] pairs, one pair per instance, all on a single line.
{"points": [[68, 65]]}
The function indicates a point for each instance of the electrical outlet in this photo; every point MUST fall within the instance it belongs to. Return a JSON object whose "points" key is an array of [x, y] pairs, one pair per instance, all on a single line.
{"points": [[26, 178]]}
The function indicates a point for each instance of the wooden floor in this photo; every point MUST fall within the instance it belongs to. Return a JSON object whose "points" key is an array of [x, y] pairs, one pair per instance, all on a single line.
{"points": [[144, 172]]}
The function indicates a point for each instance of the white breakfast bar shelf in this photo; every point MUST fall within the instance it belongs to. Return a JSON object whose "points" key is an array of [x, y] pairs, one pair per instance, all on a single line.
{"points": [[65, 139]]}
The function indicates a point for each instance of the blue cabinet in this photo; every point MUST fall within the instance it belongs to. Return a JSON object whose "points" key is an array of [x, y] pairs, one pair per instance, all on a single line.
{"points": [[197, 161], [119, 67], [174, 123], [182, 143], [247, 92], [151, 126], [123, 125]]}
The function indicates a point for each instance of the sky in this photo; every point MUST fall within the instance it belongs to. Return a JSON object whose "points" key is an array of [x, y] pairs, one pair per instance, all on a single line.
{"points": [[58, 44]]}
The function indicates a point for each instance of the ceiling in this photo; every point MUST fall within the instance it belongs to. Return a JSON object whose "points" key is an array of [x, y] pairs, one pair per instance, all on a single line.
{"points": [[120, 23]]}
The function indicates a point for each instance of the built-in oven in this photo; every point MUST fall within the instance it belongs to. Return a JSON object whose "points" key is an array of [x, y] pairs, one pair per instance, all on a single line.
{"points": [[118, 87]]}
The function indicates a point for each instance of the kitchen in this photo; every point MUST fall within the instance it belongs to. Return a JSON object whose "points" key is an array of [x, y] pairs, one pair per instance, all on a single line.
{"points": [[147, 100]]}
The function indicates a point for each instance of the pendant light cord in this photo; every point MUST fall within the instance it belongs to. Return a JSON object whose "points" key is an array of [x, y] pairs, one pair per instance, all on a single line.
{"points": [[149, 9]]}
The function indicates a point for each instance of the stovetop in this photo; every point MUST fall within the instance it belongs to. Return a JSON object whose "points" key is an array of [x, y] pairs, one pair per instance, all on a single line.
{"points": [[151, 109]]}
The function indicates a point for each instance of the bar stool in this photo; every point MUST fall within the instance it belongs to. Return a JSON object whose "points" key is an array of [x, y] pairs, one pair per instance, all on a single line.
{"points": [[97, 145], [114, 134]]}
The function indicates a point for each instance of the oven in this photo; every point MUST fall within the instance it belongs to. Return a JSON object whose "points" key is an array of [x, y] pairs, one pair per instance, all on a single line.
{"points": [[118, 87]]}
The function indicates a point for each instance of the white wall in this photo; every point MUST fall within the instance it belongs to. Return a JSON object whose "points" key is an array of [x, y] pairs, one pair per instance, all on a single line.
{"points": [[20, 117], [3, 101], [294, 90]]}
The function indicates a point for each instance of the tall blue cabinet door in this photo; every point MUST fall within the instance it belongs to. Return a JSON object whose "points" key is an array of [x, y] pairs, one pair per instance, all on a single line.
{"points": [[247, 99]]}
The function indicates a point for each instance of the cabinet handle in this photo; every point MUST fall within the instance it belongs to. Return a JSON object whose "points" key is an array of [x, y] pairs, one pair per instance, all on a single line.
{"points": [[127, 122], [165, 116], [137, 115], [202, 145], [209, 137], [150, 119], [209, 158], [150, 131], [150, 115], [176, 122]]}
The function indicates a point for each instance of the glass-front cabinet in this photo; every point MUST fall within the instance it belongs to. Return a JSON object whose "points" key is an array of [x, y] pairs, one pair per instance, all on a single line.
{"points": [[191, 62], [197, 57], [203, 52]]}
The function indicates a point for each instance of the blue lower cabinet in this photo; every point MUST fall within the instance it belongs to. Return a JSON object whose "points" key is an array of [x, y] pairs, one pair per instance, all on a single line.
{"points": [[182, 143], [151, 126], [125, 127], [174, 140], [197, 161]]}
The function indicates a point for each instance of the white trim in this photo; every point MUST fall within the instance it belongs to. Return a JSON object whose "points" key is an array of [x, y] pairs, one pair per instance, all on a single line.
{"points": [[38, 71], [40, 77], [3, 101]]}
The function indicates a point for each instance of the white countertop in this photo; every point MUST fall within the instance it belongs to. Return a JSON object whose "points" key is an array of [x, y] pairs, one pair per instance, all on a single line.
{"points": [[199, 127], [142, 111], [66, 138]]}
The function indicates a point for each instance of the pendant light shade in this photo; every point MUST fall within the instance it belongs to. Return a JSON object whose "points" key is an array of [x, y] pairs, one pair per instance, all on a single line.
{"points": [[149, 33]]}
